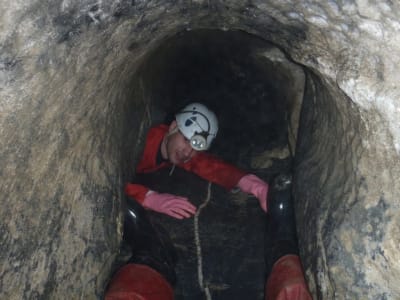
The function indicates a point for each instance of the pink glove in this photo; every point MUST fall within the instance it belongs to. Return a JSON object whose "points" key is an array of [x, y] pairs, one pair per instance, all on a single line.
{"points": [[253, 185], [174, 206]]}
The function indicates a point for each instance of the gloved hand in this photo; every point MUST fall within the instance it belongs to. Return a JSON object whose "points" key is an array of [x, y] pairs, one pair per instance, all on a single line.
{"points": [[172, 205], [252, 184]]}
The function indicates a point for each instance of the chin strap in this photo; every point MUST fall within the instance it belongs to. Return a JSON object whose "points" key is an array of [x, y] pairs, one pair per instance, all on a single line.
{"points": [[172, 170]]}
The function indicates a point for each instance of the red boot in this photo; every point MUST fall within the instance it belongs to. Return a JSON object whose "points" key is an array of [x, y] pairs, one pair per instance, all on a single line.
{"points": [[138, 282]]}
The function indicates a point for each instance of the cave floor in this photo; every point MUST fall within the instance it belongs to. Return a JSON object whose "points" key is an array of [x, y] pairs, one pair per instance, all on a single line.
{"points": [[231, 229]]}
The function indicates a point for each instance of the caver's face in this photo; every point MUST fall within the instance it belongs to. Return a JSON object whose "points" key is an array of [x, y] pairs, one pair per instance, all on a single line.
{"points": [[178, 147]]}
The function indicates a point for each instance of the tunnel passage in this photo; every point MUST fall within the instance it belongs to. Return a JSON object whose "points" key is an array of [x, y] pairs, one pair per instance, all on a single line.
{"points": [[256, 92], [71, 110], [253, 88]]}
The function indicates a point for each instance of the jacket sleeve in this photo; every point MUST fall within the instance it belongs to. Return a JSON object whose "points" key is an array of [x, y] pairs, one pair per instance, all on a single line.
{"points": [[147, 162], [214, 169], [136, 191]]}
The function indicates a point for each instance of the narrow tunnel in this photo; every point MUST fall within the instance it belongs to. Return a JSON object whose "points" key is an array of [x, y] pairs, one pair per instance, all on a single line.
{"points": [[255, 90], [256, 93], [305, 86]]}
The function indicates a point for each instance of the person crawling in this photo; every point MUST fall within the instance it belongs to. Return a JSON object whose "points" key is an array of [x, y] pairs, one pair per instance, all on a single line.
{"points": [[183, 143]]}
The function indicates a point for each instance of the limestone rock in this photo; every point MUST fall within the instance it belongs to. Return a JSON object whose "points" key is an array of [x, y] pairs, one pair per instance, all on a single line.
{"points": [[73, 112]]}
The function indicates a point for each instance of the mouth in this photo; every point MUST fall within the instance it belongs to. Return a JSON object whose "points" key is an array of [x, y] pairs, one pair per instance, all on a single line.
{"points": [[182, 158]]}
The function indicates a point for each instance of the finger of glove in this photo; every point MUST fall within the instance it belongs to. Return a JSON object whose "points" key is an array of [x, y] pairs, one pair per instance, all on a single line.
{"points": [[262, 197], [257, 189], [165, 200], [182, 212], [260, 192], [249, 182], [173, 214], [160, 196], [182, 204], [168, 197]]}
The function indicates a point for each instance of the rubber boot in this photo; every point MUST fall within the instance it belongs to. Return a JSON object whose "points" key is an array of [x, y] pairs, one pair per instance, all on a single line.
{"points": [[150, 272], [285, 277], [150, 246], [139, 282]]}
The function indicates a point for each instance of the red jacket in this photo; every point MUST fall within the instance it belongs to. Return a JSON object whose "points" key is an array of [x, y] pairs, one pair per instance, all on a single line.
{"points": [[203, 164]]}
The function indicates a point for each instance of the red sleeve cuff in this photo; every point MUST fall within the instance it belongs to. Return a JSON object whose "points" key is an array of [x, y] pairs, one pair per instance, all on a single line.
{"points": [[136, 191]]}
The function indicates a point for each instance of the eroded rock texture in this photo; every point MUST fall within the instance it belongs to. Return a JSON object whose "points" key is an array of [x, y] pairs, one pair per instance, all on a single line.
{"points": [[73, 111]]}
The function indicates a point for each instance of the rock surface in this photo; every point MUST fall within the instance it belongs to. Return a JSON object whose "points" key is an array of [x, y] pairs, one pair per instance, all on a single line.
{"points": [[73, 113]]}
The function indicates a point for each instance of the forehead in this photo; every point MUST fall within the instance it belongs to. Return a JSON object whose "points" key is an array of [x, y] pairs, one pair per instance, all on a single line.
{"points": [[180, 135]]}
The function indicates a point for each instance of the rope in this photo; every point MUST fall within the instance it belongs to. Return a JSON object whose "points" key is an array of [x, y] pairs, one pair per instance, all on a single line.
{"points": [[202, 285]]}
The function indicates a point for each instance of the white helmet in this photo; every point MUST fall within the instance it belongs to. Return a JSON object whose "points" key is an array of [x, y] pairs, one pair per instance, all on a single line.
{"points": [[198, 124]]}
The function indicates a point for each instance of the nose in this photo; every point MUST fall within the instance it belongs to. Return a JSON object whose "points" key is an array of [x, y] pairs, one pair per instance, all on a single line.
{"points": [[188, 150]]}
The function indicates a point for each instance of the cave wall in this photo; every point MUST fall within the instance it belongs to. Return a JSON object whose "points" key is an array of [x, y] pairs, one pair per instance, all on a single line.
{"points": [[351, 220], [71, 108]]}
